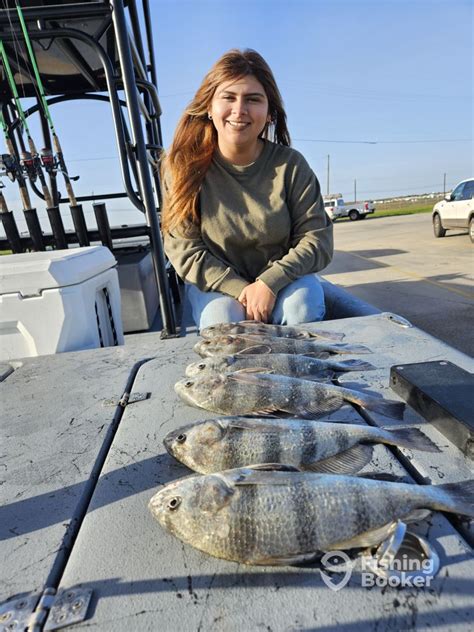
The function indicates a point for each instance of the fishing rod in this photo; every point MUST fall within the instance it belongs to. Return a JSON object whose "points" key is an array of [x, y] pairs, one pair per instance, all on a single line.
{"points": [[13, 170], [44, 105], [30, 161]]}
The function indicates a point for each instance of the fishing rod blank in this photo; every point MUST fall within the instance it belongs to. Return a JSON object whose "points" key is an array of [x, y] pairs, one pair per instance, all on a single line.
{"points": [[56, 144], [76, 209], [31, 161]]}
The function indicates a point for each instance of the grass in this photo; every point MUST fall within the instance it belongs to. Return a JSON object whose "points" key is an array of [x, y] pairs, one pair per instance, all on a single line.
{"points": [[407, 209]]}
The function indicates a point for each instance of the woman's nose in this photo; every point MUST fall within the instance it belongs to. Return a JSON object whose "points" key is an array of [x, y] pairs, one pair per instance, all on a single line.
{"points": [[240, 106]]}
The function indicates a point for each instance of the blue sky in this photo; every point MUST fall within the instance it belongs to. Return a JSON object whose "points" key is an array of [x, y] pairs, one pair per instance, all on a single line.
{"points": [[394, 72]]}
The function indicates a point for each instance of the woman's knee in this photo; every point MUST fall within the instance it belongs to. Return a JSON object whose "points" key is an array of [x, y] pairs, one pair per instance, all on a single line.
{"points": [[303, 301], [223, 309]]}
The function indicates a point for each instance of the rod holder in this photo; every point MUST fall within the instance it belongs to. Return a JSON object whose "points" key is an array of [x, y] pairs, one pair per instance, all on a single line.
{"points": [[103, 225], [11, 231], [34, 228], [80, 224], [57, 227]]}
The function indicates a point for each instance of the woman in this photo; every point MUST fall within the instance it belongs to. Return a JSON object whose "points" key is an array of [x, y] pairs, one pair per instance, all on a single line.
{"points": [[243, 219]]}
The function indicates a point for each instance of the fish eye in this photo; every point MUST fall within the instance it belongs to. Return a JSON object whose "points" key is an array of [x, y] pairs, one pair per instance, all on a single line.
{"points": [[206, 342], [201, 366], [174, 503], [188, 383], [181, 438]]}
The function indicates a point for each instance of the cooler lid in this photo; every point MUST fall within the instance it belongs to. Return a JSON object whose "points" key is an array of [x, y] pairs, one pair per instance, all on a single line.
{"points": [[30, 273]]}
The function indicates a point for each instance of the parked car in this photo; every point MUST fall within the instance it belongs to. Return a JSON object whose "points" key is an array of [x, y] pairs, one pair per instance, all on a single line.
{"points": [[335, 207], [456, 210]]}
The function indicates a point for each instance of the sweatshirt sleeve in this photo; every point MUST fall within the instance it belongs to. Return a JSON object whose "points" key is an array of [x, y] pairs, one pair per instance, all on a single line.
{"points": [[195, 264], [311, 242]]}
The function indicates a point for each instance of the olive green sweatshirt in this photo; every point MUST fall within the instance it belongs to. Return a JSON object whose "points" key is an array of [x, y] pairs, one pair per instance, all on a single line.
{"points": [[262, 221]]}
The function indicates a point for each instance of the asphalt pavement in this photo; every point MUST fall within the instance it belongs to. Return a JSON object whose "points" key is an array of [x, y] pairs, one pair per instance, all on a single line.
{"points": [[397, 265]]}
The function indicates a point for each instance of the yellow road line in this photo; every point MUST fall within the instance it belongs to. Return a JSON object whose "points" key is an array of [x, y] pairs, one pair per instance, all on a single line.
{"points": [[416, 276]]}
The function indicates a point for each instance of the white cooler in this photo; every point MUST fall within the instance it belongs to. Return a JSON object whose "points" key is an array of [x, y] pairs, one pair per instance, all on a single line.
{"points": [[59, 300]]}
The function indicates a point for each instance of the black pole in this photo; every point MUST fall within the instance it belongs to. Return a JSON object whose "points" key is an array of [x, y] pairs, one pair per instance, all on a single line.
{"points": [[57, 227], [34, 228], [11, 231], [103, 225], [80, 225], [146, 189]]}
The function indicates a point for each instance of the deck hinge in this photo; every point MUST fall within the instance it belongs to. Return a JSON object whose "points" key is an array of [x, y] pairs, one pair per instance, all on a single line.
{"points": [[47, 611]]}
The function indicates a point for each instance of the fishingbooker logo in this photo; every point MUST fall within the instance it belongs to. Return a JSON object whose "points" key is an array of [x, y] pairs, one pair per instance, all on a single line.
{"points": [[396, 573]]}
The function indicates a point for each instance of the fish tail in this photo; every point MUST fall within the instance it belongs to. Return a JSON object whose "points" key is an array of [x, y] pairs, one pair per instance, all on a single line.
{"points": [[409, 438], [352, 365], [454, 497], [386, 407], [348, 348]]}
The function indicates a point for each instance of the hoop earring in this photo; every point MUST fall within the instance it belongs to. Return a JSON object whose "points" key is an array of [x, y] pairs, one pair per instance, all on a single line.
{"points": [[209, 116]]}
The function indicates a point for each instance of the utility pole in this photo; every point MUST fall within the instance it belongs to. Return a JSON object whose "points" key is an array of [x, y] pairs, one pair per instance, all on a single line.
{"points": [[355, 191], [444, 185], [327, 191]]}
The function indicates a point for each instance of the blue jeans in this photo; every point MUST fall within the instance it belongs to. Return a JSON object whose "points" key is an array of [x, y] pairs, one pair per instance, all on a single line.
{"points": [[302, 301]]}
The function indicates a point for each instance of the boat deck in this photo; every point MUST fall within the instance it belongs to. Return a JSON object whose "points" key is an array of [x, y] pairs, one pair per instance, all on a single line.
{"points": [[78, 469]]}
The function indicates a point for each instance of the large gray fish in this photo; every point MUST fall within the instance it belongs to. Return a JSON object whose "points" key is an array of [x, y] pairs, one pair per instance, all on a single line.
{"points": [[253, 393], [250, 343], [254, 516], [225, 443], [265, 329], [293, 365]]}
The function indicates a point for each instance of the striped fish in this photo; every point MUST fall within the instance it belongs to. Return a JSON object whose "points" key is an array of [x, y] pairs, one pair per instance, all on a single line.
{"points": [[250, 343], [293, 365], [265, 329], [255, 516], [249, 392], [225, 443]]}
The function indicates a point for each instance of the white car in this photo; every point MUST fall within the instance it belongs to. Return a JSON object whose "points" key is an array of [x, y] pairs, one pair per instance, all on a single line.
{"points": [[456, 210]]}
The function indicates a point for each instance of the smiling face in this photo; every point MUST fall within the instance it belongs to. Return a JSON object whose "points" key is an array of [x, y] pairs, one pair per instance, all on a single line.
{"points": [[239, 111]]}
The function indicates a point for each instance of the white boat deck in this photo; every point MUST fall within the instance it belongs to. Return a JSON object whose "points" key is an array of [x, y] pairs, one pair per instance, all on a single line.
{"points": [[77, 471]]}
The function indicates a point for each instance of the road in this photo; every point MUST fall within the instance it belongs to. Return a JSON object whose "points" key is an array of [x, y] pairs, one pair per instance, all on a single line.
{"points": [[397, 265]]}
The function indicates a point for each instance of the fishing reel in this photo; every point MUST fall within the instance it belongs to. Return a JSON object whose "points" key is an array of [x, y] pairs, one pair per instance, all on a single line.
{"points": [[9, 166], [48, 161], [29, 165]]}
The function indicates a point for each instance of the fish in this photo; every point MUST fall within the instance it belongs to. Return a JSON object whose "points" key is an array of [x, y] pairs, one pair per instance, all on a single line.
{"points": [[266, 329], [250, 343], [260, 515], [226, 443], [250, 392], [293, 365]]}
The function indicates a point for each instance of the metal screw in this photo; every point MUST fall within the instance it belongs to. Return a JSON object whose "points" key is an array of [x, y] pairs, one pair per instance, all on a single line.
{"points": [[77, 604], [70, 595], [61, 617]]}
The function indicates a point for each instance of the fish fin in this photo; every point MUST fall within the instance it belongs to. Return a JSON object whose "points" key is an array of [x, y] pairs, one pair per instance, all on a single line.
{"points": [[321, 355], [348, 462], [366, 539], [412, 438], [383, 476], [266, 412], [386, 407], [262, 348], [454, 497], [315, 410], [273, 467], [344, 347], [326, 375], [417, 515], [290, 560], [327, 335], [255, 369], [352, 365]]}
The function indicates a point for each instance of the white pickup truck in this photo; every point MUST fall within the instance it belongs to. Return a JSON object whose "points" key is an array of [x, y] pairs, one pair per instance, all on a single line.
{"points": [[335, 207]]}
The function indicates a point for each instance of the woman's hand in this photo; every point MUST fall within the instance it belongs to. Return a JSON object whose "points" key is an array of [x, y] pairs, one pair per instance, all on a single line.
{"points": [[258, 300]]}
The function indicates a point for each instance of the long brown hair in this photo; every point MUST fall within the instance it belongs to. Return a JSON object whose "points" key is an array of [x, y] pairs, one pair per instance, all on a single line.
{"points": [[195, 139]]}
